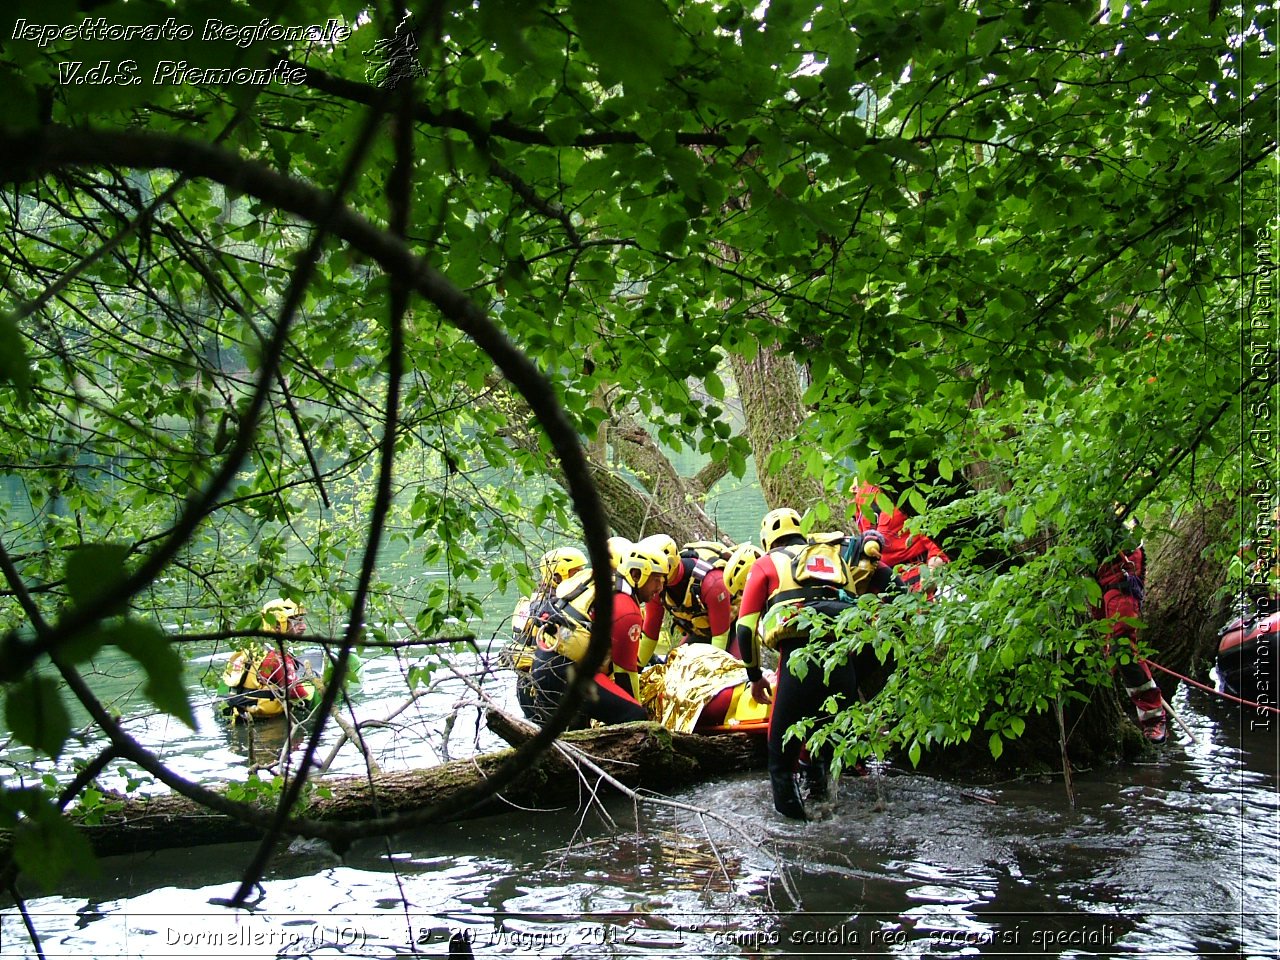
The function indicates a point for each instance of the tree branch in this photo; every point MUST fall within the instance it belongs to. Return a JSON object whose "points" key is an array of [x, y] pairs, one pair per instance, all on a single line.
{"points": [[454, 119], [676, 506], [710, 475], [27, 156]]}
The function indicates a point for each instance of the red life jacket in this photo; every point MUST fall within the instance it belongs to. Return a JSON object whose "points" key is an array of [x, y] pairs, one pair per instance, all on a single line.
{"points": [[900, 547], [1114, 574], [282, 676]]}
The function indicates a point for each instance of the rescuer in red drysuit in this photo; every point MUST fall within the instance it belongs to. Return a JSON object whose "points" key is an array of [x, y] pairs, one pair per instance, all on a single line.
{"points": [[905, 552], [1122, 581], [563, 639], [771, 600], [280, 669], [698, 601]]}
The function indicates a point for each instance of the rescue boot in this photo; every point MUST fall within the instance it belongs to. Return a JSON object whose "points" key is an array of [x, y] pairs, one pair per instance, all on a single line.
{"points": [[786, 799], [815, 781]]}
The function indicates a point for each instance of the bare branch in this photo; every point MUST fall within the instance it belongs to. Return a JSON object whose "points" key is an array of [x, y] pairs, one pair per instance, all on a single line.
{"points": [[54, 147]]}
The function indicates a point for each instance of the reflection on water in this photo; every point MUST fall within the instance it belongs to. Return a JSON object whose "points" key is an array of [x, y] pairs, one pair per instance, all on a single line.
{"points": [[1179, 857], [263, 743]]}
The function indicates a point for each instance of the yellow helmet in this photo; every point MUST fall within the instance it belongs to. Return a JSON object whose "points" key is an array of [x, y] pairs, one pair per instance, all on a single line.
{"points": [[640, 563], [777, 524], [618, 547], [558, 565], [738, 566], [665, 545], [277, 613]]}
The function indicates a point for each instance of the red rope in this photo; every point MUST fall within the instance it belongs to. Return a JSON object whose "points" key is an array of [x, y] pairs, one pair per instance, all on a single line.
{"points": [[1218, 693]]}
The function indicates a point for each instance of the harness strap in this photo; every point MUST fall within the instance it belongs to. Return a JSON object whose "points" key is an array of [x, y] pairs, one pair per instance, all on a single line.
{"points": [[812, 593], [685, 598]]}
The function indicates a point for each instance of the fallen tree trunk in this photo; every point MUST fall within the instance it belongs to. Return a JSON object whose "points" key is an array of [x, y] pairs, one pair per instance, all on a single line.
{"points": [[638, 755]]}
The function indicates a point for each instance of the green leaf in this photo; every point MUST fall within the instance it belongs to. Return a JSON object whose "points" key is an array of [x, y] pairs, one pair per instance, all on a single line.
{"points": [[22, 107], [917, 501], [506, 21], [15, 367], [46, 846], [354, 677], [36, 715], [94, 570], [714, 385], [1064, 20], [672, 236], [563, 130], [913, 753], [874, 165], [165, 684], [905, 150], [632, 40], [82, 646], [996, 745], [1029, 521]]}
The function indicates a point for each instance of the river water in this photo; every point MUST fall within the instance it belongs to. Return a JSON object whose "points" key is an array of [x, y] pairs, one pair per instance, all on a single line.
{"points": [[1178, 857], [1174, 858]]}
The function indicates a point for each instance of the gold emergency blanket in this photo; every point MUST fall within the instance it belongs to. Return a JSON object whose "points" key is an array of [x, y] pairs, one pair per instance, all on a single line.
{"points": [[676, 691]]}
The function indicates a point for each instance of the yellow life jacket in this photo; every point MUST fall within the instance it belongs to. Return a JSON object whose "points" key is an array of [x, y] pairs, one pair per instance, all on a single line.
{"points": [[563, 625], [520, 616], [684, 600], [249, 696], [807, 573], [241, 672], [536, 609], [518, 654]]}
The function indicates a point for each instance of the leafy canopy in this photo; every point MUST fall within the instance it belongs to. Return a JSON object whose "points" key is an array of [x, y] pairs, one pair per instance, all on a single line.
{"points": [[1003, 242]]}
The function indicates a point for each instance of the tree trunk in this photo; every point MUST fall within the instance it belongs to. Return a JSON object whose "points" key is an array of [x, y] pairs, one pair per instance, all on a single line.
{"points": [[674, 503], [768, 386], [665, 503], [1183, 609], [771, 399], [638, 754]]}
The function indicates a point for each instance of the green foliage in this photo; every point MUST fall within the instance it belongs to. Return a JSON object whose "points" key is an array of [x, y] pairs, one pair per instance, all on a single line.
{"points": [[93, 807], [992, 649], [95, 571], [632, 40], [420, 674], [35, 713], [150, 648], [1002, 244], [46, 846], [14, 364], [352, 679], [256, 791]]}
